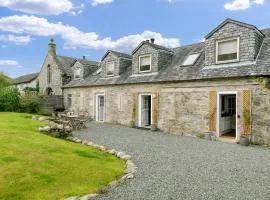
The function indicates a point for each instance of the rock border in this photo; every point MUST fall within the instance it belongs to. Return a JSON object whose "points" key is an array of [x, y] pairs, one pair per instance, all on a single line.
{"points": [[128, 173]]}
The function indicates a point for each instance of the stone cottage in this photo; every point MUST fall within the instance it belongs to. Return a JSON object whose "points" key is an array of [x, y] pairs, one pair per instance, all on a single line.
{"points": [[220, 85]]}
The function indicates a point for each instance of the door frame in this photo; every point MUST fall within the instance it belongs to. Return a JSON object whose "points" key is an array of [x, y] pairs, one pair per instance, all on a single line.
{"points": [[236, 112], [140, 108], [97, 107]]}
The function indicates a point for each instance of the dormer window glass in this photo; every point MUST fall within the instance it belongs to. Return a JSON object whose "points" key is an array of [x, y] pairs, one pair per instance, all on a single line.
{"points": [[145, 63], [191, 59], [77, 74], [110, 68], [227, 50]]}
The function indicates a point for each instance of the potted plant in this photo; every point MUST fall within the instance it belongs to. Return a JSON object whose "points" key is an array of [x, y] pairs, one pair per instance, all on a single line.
{"points": [[245, 136]]}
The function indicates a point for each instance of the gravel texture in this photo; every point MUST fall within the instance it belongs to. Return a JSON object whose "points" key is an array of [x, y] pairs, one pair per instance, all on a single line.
{"points": [[176, 167]]}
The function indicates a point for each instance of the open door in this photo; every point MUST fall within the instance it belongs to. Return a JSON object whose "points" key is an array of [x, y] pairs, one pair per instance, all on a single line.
{"points": [[145, 110], [227, 115]]}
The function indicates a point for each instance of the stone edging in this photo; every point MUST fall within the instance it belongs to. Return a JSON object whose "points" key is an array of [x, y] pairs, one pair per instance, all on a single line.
{"points": [[128, 173]]}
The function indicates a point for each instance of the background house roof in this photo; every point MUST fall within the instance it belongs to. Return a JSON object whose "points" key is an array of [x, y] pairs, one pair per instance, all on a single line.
{"points": [[25, 78], [66, 63]]}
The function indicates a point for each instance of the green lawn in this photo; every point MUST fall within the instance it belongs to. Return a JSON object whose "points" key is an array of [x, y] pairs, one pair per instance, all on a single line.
{"points": [[36, 166]]}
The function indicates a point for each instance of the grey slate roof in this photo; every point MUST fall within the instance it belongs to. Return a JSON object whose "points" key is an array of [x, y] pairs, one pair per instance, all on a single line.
{"points": [[155, 46], [175, 72], [118, 54], [66, 63], [25, 78]]}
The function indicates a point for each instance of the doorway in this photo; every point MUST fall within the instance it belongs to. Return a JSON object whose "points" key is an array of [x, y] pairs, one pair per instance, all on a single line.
{"points": [[100, 107], [145, 110], [227, 116]]}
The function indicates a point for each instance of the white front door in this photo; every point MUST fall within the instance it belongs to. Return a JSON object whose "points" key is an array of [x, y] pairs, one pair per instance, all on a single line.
{"points": [[100, 110]]}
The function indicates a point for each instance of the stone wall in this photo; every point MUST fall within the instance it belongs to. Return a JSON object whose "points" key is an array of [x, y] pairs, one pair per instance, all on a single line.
{"points": [[183, 107], [250, 43], [56, 79]]}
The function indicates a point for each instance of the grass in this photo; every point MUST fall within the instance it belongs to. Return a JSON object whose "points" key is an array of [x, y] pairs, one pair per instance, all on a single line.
{"points": [[36, 166]]}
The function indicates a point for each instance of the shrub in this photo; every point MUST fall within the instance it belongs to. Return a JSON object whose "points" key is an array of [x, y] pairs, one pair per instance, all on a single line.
{"points": [[9, 99], [31, 104]]}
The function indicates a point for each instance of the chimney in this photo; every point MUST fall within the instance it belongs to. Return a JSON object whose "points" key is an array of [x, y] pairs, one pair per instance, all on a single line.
{"points": [[147, 41], [83, 57], [52, 47], [153, 40]]}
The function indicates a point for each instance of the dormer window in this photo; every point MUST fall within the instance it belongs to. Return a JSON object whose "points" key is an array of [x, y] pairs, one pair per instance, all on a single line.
{"points": [[145, 63], [227, 50], [77, 73], [110, 68], [191, 59]]}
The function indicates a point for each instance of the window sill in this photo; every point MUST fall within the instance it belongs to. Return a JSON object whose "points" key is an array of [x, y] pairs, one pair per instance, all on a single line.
{"points": [[227, 62]]}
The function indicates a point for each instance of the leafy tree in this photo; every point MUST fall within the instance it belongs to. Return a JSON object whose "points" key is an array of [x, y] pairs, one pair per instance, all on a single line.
{"points": [[4, 80]]}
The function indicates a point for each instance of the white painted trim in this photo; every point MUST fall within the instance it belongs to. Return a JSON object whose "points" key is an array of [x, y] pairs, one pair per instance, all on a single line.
{"points": [[236, 112], [145, 74], [238, 50], [140, 108], [97, 115], [147, 55]]}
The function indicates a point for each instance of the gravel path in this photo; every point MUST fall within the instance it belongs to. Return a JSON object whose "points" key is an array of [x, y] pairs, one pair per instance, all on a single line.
{"points": [[175, 167]]}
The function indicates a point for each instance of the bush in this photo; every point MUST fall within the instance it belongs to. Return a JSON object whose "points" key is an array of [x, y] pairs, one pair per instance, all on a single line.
{"points": [[31, 104], [9, 99]]}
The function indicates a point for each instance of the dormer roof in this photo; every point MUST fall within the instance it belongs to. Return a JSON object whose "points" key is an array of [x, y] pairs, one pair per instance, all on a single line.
{"points": [[117, 54], [155, 46], [228, 20]]}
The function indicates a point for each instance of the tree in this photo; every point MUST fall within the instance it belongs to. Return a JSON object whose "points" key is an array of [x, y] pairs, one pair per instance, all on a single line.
{"points": [[4, 80]]}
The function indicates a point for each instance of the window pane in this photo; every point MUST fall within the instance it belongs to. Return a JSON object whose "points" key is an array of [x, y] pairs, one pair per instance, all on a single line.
{"points": [[145, 63], [191, 59], [110, 68], [227, 50], [145, 60], [227, 47], [77, 73]]}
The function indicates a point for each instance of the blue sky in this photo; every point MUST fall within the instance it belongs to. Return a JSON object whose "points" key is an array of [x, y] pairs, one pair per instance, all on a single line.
{"points": [[90, 27]]}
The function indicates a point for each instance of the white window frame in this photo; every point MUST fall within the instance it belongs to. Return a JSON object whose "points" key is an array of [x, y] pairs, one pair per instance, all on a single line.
{"points": [[113, 68], [147, 55], [80, 76], [227, 40]]}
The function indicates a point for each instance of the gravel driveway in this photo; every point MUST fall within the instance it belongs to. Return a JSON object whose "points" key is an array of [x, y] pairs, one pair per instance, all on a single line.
{"points": [[176, 167]]}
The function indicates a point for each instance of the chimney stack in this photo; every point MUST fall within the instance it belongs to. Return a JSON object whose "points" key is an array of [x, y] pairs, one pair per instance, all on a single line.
{"points": [[147, 41], [153, 40], [52, 47], [83, 57]]}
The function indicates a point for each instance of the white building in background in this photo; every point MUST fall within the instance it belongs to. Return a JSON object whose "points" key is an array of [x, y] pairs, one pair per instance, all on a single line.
{"points": [[29, 80]]}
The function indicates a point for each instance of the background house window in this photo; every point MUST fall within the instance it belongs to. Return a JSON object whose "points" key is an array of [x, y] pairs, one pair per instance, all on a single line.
{"points": [[145, 63], [49, 74], [69, 100], [77, 74], [110, 68], [227, 50]]}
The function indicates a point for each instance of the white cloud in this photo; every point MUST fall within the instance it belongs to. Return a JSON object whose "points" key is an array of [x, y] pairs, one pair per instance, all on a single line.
{"points": [[7, 63], [42, 7], [18, 40], [97, 2], [242, 4], [74, 38]]}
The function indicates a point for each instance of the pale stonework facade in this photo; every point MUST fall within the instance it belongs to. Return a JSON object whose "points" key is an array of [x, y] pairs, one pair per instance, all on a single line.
{"points": [[220, 86]]}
